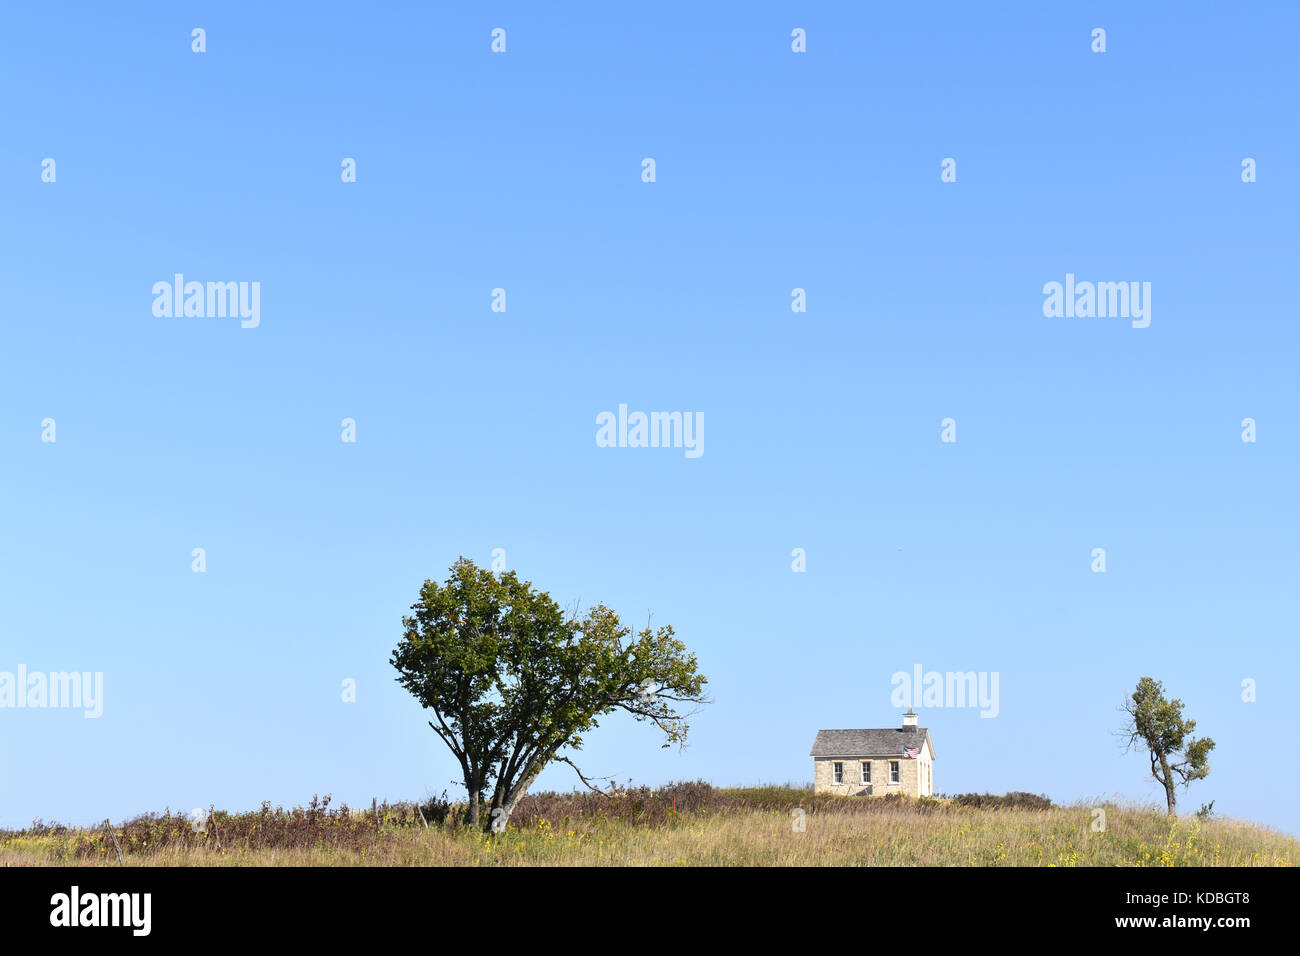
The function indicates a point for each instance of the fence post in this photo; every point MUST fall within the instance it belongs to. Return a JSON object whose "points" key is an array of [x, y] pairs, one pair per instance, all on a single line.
{"points": [[116, 846], [212, 817]]}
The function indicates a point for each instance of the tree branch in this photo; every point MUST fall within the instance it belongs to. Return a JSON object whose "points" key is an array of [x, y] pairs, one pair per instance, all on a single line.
{"points": [[582, 777]]}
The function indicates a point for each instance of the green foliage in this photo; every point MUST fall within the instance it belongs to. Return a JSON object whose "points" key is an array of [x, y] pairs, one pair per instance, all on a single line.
{"points": [[1157, 725], [514, 683]]}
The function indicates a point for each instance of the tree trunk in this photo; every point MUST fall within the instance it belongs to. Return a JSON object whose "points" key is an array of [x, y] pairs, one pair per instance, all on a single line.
{"points": [[472, 787], [511, 800], [1168, 781]]}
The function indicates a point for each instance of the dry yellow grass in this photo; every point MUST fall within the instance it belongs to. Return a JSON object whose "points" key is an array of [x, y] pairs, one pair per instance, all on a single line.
{"points": [[898, 837]]}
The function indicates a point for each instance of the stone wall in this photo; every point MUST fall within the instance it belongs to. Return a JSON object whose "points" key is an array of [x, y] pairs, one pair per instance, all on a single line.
{"points": [[824, 775]]}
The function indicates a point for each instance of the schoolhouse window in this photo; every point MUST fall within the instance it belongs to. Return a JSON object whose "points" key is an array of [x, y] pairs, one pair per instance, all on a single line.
{"points": [[839, 772], [866, 771], [893, 771]]}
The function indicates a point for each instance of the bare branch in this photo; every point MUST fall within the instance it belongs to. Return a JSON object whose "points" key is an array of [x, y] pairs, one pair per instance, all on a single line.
{"points": [[582, 777]]}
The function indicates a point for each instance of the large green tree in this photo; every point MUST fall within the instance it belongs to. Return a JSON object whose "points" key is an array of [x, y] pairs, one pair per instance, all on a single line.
{"points": [[514, 682], [1157, 726]]}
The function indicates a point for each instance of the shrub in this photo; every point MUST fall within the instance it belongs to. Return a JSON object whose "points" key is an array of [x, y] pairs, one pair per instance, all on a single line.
{"points": [[991, 801]]}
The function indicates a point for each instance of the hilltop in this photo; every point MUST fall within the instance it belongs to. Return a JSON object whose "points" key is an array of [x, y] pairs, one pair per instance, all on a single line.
{"points": [[691, 824]]}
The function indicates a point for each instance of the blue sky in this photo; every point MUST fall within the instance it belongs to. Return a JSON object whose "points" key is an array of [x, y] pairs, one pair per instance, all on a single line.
{"points": [[476, 429]]}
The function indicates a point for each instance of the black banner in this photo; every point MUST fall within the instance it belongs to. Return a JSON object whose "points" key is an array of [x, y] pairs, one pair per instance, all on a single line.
{"points": [[331, 905]]}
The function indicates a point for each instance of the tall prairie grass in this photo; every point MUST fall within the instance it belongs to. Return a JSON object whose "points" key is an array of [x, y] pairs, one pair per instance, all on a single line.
{"points": [[760, 826]]}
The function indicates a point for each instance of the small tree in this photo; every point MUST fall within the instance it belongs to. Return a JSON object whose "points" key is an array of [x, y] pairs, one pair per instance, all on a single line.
{"points": [[514, 683], [1157, 726]]}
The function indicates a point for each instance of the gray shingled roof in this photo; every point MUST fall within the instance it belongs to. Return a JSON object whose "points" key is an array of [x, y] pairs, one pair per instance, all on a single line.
{"points": [[874, 742]]}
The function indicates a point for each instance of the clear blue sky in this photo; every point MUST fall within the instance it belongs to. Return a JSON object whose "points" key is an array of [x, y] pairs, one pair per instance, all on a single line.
{"points": [[476, 430]]}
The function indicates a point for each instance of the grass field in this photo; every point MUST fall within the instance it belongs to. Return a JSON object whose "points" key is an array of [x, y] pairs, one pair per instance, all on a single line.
{"points": [[758, 826]]}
